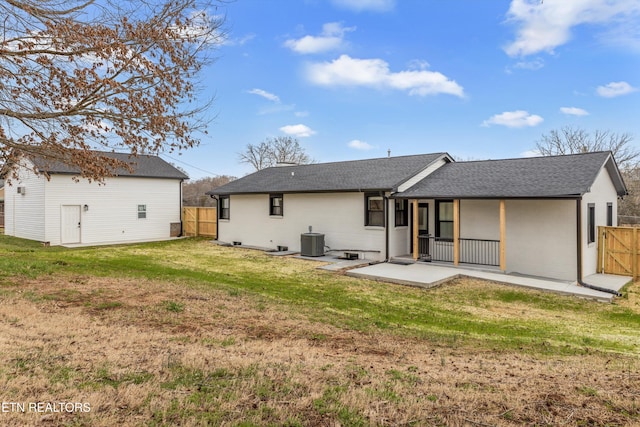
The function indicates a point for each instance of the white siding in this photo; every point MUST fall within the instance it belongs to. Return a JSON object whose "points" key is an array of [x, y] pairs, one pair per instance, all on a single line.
{"points": [[339, 216], [541, 238], [602, 192], [25, 214], [112, 214]]}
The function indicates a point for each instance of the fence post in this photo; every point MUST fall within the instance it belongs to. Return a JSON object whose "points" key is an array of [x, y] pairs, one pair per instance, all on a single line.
{"points": [[197, 222], [634, 254]]}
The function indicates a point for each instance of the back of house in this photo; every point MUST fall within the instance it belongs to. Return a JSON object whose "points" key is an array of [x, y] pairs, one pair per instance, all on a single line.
{"points": [[533, 216]]}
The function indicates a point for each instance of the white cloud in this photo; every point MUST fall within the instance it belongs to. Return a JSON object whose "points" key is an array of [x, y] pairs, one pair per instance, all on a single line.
{"points": [[360, 145], [331, 38], [613, 89], [530, 153], [362, 5], [574, 111], [544, 25], [301, 113], [347, 71], [299, 130], [533, 65], [264, 94], [514, 119]]}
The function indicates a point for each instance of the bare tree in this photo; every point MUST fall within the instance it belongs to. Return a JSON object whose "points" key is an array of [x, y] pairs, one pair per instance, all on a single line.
{"points": [[282, 149], [570, 140], [258, 156], [82, 76], [193, 192]]}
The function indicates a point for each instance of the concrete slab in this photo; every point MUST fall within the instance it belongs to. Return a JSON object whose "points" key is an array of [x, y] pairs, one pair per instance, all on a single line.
{"points": [[426, 276], [334, 263], [608, 281]]}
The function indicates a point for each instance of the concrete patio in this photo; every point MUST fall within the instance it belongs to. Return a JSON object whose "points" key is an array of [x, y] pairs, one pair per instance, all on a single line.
{"points": [[428, 275]]}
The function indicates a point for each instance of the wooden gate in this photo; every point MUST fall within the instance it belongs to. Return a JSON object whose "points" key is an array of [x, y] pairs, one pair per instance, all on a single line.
{"points": [[198, 221], [618, 251]]}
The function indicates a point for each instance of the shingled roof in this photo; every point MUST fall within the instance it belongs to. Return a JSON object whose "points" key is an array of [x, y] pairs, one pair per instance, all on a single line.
{"points": [[144, 166], [537, 177], [358, 175]]}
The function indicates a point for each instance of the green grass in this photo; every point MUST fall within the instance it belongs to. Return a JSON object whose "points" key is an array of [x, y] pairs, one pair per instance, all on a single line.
{"points": [[451, 316]]}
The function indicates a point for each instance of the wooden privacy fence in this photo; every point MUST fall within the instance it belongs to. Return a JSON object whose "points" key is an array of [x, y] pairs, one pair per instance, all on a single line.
{"points": [[198, 221], [618, 250]]}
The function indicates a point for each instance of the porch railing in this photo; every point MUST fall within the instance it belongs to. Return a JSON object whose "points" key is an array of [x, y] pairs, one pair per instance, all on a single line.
{"points": [[472, 251]]}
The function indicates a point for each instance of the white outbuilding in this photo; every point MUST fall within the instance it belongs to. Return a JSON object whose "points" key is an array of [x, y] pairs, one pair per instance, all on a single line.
{"points": [[50, 202]]}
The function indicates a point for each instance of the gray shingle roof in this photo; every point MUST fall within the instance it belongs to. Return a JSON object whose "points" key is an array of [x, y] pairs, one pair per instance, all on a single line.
{"points": [[373, 174], [555, 176], [144, 166]]}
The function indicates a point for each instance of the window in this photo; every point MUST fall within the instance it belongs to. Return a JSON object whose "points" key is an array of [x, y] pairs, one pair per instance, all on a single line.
{"points": [[402, 217], [609, 214], [444, 219], [275, 204], [224, 204], [374, 208], [142, 211], [591, 222]]}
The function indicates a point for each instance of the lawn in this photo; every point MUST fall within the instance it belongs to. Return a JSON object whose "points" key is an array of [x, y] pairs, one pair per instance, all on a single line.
{"points": [[190, 333]]}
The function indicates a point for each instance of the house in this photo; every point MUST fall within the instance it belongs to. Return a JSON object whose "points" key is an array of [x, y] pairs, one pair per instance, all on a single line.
{"points": [[532, 216], [138, 205]]}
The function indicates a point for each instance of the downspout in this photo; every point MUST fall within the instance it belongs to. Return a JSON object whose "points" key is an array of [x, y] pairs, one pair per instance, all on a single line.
{"points": [[213, 196], [180, 209], [579, 246]]}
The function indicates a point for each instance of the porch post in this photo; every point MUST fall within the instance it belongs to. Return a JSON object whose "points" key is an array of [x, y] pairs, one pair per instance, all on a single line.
{"points": [[503, 236], [456, 231], [416, 251]]}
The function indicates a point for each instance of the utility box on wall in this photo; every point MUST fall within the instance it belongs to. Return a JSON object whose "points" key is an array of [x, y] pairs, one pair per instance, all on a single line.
{"points": [[312, 244]]}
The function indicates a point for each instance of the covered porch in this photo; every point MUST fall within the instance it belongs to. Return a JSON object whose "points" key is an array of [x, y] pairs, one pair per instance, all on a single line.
{"points": [[481, 242]]}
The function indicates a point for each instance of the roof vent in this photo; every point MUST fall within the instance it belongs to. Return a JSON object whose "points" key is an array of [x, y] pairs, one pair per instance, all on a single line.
{"points": [[282, 164]]}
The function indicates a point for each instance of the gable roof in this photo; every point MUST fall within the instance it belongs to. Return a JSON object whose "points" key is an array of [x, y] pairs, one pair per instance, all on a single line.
{"points": [[144, 166], [357, 175], [533, 177]]}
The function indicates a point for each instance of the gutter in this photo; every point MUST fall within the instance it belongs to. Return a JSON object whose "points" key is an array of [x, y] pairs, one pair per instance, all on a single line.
{"points": [[579, 254]]}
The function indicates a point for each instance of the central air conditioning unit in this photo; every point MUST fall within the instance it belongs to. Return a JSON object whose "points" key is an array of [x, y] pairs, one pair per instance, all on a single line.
{"points": [[312, 244], [22, 190]]}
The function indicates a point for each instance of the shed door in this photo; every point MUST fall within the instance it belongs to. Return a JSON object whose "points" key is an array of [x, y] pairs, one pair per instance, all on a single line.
{"points": [[70, 224]]}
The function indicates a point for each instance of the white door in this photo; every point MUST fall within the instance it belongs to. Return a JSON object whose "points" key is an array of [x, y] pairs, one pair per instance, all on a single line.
{"points": [[70, 223]]}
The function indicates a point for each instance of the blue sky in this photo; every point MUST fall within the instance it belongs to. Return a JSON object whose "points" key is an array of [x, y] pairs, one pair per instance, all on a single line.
{"points": [[478, 79]]}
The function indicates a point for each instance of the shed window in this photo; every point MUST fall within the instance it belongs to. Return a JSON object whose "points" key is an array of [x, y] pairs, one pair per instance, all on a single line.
{"points": [[224, 207], [142, 211], [402, 217], [609, 214], [444, 219], [276, 204], [374, 208], [591, 222]]}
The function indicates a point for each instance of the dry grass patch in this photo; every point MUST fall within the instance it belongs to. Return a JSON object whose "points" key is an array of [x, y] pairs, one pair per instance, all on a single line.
{"points": [[145, 352]]}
